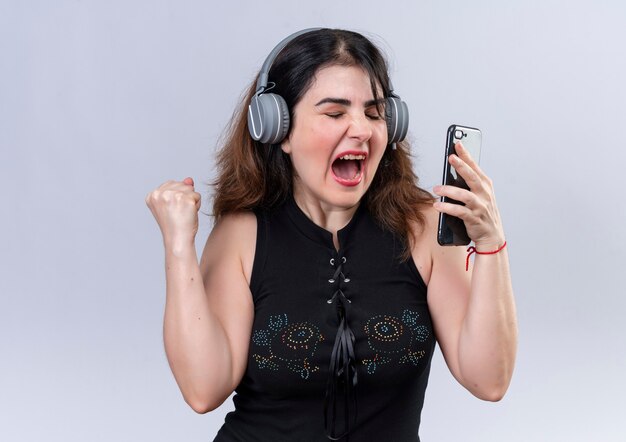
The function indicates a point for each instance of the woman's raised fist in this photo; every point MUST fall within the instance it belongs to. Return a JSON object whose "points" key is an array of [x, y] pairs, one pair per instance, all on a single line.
{"points": [[175, 206]]}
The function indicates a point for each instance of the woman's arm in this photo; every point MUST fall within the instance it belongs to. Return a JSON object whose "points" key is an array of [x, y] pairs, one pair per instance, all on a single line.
{"points": [[474, 312], [208, 309], [209, 312], [474, 320]]}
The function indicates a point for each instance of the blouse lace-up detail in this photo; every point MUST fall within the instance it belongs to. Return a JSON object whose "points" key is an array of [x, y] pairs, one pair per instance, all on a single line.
{"points": [[342, 377]]}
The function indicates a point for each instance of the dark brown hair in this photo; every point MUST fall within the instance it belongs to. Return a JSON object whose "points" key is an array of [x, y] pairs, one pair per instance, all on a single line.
{"points": [[253, 176]]}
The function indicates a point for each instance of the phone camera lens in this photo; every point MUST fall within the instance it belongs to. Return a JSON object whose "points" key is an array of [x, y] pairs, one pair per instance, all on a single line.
{"points": [[458, 134]]}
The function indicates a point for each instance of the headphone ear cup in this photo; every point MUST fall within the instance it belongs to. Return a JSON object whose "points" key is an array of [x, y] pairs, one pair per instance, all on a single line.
{"points": [[397, 116], [284, 121], [268, 118]]}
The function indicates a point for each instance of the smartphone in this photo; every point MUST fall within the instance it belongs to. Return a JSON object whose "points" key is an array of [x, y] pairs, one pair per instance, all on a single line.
{"points": [[451, 230]]}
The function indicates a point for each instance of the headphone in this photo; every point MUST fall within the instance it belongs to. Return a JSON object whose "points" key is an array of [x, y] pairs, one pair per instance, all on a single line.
{"points": [[268, 114]]}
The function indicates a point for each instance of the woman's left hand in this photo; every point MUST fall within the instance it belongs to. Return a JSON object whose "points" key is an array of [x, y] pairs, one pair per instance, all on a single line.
{"points": [[474, 313], [480, 213]]}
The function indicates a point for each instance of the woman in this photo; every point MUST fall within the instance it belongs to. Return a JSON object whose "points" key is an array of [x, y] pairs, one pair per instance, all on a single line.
{"points": [[322, 288]]}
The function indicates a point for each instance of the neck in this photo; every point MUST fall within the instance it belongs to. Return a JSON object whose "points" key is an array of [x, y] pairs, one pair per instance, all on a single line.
{"points": [[330, 218]]}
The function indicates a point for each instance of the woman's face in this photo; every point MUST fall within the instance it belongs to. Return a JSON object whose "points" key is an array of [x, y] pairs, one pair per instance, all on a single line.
{"points": [[337, 138]]}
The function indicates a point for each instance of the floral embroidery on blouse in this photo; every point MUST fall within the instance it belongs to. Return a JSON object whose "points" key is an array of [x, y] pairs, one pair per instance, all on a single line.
{"points": [[287, 345], [392, 338]]}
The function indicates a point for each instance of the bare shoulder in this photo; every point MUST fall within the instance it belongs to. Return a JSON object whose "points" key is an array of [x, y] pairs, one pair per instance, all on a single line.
{"points": [[425, 241], [233, 238], [429, 256]]}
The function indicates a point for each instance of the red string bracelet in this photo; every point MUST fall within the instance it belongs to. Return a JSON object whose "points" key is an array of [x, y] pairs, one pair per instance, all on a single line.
{"points": [[472, 249]]}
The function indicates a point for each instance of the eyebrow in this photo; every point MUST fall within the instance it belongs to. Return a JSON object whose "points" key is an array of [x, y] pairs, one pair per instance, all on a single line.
{"points": [[344, 102]]}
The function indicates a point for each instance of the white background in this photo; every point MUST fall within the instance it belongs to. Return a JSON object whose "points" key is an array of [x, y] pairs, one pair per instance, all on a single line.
{"points": [[101, 101]]}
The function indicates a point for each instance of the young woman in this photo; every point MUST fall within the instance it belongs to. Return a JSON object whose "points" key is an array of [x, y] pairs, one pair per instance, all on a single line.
{"points": [[322, 288]]}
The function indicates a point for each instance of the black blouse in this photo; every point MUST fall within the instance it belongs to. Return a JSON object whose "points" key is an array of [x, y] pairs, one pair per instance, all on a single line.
{"points": [[342, 340]]}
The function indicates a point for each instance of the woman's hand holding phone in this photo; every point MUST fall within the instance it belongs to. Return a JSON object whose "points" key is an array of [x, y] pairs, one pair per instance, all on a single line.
{"points": [[480, 213]]}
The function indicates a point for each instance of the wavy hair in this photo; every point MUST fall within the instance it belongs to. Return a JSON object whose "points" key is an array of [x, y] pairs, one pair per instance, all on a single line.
{"points": [[255, 176]]}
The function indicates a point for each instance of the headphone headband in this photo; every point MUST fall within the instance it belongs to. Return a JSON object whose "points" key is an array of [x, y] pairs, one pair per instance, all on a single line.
{"points": [[267, 64]]}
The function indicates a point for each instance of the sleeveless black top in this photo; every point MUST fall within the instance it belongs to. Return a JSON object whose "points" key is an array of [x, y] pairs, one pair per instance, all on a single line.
{"points": [[341, 341]]}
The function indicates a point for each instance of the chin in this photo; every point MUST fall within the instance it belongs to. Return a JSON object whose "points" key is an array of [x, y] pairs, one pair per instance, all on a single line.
{"points": [[347, 197]]}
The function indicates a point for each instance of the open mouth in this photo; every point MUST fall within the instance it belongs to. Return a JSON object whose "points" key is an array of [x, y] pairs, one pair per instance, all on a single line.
{"points": [[347, 169]]}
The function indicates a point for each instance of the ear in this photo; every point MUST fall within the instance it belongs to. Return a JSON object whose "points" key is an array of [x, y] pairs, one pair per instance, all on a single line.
{"points": [[285, 145]]}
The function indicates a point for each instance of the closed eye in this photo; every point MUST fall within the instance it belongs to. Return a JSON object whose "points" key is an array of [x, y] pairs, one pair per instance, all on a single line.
{"points": [[371, 116], [334, 115], [375, 112]]}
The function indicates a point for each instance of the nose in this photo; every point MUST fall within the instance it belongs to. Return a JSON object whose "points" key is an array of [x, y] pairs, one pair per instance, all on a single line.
{"points": [[360, 128]]}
